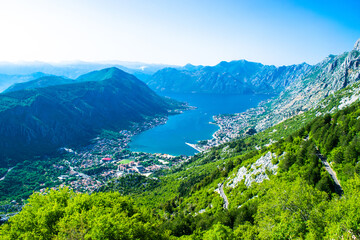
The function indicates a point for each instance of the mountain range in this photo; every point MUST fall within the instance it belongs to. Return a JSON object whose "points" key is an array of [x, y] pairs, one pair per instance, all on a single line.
{"points": [[12, 73], [334, 73], [39, 120], [296, 177], [235, 77]]}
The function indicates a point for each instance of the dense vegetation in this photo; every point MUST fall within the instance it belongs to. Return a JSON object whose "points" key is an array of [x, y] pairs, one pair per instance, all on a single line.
{"points": [[64, 214], [36, 173], [298, 202]]}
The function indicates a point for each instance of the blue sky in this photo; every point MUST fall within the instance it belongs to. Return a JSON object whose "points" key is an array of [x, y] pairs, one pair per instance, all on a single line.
{"points": [[275, 32]]}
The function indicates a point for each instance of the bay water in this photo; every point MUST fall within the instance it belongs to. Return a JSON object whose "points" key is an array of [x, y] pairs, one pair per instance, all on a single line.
{"points": [[192, 125]]}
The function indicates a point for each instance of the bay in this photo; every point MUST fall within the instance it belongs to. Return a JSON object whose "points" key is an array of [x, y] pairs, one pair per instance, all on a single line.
{"points": [[193, 125]]}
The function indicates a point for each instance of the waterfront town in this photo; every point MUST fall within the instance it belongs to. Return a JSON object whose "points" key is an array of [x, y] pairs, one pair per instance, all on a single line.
{"points": [[231, 126], [89, 168]]}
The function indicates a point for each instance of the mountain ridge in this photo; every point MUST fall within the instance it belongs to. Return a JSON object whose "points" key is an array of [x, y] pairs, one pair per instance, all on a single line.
{"points": [[55, 116], [41, 82], [235, 77]]}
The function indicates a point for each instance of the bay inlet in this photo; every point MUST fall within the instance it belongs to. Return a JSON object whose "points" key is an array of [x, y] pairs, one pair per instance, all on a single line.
{"points": [[181, 131]]}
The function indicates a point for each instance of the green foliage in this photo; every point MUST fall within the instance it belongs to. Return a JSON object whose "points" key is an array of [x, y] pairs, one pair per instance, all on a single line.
{"points": [[287, 208], [132, 183], [111, 135], [342, 216], [64, 214], [29, 176], [219, 231], [297, 202]]}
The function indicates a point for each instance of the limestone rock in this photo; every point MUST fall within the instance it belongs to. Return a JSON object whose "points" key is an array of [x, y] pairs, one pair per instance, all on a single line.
{"points": [[357, 45], [256, 173]]}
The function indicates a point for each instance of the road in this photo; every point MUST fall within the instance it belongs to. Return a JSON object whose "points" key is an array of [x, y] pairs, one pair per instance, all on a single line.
{"points": [[83, 175], [6, 173], [338, 188], [223, 195]]}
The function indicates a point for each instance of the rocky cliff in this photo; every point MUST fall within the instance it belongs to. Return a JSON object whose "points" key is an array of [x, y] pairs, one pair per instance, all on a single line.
{"points": [[324, 79]]}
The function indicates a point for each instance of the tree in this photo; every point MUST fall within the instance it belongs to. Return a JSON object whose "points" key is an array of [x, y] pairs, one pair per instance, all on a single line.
{"points": [[287, 209], [64, 214], [219, 232], [342, 216]]}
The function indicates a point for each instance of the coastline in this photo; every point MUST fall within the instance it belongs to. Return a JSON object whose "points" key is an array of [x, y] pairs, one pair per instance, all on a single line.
{"points": [[194, 146], [231, 126]]}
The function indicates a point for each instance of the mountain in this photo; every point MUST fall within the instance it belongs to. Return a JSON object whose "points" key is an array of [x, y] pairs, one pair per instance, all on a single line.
{"points": [[40, 120], [227, 77], [245, 189], [7, 80], [75, 69], [39, 83], [297, 179], [324, 79]]}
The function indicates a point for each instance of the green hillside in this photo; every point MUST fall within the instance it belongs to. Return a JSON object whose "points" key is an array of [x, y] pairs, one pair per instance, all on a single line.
{"points": [[38, 121], [287, 192], [296, 178], [39, 83]]}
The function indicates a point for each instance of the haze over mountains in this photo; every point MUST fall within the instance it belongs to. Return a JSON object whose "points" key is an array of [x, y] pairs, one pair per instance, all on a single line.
{"points": [[235, 77], [11, 73], [305, 139], [56, 110]]}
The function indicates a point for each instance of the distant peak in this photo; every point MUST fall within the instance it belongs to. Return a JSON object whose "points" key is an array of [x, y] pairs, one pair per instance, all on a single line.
{"points": [[103, 74], [112, 71], [357, 45]]}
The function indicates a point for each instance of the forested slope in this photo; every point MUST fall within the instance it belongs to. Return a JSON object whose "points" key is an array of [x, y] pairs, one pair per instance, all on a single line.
{"points": [[275, 191]]}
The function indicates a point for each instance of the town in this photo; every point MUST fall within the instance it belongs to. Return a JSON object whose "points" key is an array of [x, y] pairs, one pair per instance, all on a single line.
{"points": [[89, 168], [231, 126]]}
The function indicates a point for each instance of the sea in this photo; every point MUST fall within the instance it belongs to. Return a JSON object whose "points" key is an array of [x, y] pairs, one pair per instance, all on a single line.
{"points": [[192, 125]]}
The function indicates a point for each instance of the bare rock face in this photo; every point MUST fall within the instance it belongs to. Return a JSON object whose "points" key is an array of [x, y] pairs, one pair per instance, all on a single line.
{"points": [[228, 78], [325, 78], [257, 171], [357, 45]]}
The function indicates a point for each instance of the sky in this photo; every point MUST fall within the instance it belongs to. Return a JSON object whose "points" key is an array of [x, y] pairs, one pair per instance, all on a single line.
{"points": [[177, 32]]}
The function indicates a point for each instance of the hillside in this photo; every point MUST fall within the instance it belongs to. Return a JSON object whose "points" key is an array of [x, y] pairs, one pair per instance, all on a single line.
{"points": [[327, 77], [325, 80], [236, 77], [280, 191], [298, 178], [6, 80], [39, 83], [40, 120]]}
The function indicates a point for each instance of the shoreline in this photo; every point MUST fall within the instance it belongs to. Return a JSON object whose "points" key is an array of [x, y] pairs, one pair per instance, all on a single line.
{"points": [[194, 146]]}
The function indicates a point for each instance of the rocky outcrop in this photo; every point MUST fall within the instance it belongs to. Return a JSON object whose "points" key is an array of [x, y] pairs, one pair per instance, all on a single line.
{"points": [[326, 78], [256, 172], [357, 45]]}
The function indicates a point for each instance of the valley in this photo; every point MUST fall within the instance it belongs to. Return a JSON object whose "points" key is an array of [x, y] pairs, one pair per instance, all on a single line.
{"points": [[273, 169]]}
